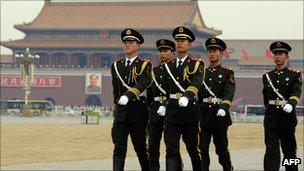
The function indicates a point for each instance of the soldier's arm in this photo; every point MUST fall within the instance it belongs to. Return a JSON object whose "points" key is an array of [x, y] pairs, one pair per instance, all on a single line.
{"points": [[228, 93], [295, 90], [144, 80], [196, 80], [265, 98], [114, 85]]}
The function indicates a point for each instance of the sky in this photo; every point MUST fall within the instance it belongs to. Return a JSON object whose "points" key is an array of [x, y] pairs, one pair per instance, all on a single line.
{"points": [[237, 19]]}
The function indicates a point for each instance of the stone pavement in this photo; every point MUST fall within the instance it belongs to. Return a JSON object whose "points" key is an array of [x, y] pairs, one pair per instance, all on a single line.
{"points": [[251, 159]]}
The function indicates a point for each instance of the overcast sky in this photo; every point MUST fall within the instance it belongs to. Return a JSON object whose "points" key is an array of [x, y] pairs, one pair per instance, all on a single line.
{"points": [[236, 19]]}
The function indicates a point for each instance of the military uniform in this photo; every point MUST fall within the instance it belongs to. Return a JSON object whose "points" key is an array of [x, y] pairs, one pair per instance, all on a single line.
{"points": [[219, 93], [132, 118], [156, 96], [182, 121], [279, 125]]}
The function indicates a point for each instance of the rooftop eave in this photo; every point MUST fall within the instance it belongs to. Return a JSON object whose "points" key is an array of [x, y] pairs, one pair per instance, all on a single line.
{"points": [[210, 31]]}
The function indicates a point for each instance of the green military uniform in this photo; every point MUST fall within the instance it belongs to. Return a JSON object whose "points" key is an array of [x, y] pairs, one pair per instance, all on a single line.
{"points": [[182, 121], [156, 96], [279, 125], [132, 118], [219, 93]]}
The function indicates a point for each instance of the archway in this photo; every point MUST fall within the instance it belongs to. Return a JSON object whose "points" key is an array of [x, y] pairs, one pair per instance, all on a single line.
{"points": [[93, 100]]}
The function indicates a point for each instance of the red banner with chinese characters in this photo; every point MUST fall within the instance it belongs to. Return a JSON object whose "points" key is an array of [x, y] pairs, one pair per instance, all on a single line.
{"points": [[47, 81]]}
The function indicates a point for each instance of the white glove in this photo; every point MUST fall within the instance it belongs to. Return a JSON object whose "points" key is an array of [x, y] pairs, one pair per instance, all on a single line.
{"points": [[161, 111], [123, 100], [287, 108], [221, 113], [183, 101]]}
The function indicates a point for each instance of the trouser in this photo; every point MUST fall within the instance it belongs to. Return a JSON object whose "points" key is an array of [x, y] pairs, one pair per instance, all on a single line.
{"points": [[220, 141], [273, 138], [189, 133], [155, 135], [137, 132]]}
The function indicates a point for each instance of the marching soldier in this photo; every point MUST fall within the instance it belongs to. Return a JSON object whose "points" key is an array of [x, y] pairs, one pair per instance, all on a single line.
{"points": [[281, 92], [130, 77], [215, 96], [156, 96], [184, 76]]}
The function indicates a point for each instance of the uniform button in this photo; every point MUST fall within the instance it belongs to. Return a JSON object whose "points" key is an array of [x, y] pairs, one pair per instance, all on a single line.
{"points": [[126, 77], [159, 84], [210, 79], [277, 89], [278, 81], [177, 78], [160, 76], [209, 105], [277, 98]]}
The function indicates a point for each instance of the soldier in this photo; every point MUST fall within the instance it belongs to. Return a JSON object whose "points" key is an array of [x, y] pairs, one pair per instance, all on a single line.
{"points": [[215, 97], [281, 92], [156, 96], [130, 77], [183, 79]]}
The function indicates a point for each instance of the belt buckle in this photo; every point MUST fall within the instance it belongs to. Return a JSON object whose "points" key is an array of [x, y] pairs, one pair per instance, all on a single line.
{"points": [[278, 102], [161, 99], [209, 99], [179, 95]]}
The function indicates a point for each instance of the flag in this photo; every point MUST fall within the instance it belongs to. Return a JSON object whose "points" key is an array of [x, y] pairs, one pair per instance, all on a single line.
{"points": [[268, 53], [244, 53], [226, 54]]}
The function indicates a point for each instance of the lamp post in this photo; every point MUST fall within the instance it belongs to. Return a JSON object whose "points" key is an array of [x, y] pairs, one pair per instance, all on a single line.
{"points": [[27, 67]]}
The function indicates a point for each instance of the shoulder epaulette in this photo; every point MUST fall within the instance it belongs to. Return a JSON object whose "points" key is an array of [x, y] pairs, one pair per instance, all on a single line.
{"points": [[158, 66], [118, 60], [227, 68], [145, 60], [196, 58], [171, 60], [293, 70]]}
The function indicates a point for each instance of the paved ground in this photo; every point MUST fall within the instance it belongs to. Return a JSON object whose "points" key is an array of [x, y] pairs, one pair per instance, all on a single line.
{"points": [[6, 119], [250, 159], [242, 160]]}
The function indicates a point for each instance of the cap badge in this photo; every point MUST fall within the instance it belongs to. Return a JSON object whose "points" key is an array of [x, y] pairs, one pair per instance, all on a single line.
{"points": [[279, 44], [128, 32], [181, 29], [162, 42], [213, 40]]}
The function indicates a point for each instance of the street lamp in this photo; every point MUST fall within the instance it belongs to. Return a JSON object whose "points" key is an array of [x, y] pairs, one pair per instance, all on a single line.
{"points": [[27, 67]]}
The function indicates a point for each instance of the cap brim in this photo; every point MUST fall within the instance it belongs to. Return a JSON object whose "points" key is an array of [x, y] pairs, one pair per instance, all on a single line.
{"points": [[165, 47], [183, 36], [280, 49], [130, 38], [214, 47]]}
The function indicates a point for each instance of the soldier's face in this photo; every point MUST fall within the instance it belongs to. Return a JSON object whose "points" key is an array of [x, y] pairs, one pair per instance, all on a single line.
{"points": [[130, 47], [93, 80], [165, 55], [182, 45], [280, 58], [214, 55]]}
